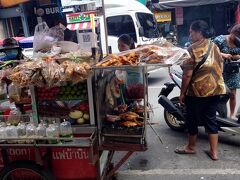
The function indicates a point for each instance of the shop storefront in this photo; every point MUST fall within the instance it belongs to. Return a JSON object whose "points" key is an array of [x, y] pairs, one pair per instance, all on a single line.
{"points": [[219, 14], [14, 20]]}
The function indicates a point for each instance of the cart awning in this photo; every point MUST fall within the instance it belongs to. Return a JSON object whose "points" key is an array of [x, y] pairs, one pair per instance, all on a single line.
{"points": [[81, 26], [168, 4]]}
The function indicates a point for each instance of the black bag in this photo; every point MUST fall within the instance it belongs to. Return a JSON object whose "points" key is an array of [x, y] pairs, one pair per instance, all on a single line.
{"points": [[231, 67]]}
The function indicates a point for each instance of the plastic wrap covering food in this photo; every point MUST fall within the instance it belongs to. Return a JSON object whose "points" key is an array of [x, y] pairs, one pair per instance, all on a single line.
{"points": [[53, 74], [161, 53], [75, 72], [27, 74], [49, 73], [78, 56]]}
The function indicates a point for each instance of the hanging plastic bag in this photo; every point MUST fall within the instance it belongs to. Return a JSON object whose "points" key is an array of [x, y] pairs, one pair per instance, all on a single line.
{"points": [[42, 38]]}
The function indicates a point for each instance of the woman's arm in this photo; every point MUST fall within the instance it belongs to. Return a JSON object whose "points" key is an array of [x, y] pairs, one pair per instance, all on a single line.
{"points": [[236, 57], [226, 56]]}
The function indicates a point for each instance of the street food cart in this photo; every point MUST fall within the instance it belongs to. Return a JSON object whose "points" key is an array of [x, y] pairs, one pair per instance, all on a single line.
{"points": [[67, 115]]}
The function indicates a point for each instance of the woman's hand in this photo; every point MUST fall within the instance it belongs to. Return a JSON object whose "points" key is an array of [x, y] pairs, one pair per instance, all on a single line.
{"points": [[182, 98], [226, 56]]}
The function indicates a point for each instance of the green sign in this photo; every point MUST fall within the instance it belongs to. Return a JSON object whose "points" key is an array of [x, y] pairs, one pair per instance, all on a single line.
{"points": [[79, 18]]}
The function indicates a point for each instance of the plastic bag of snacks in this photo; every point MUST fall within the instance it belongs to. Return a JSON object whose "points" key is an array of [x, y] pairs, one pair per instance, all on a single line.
{"points": [[53, 74], [14, 116], [14, 92]]}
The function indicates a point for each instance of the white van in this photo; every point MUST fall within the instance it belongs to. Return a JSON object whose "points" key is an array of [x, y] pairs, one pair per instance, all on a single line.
{"points": [[128, 17]]}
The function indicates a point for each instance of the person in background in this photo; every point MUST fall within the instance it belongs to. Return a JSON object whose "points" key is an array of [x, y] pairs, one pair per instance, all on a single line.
{"points": [[230, 51], [126, 42], [200, 92], [11, 48]]}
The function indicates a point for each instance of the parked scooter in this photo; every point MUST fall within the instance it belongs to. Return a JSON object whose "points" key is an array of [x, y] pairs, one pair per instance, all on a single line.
{"points": [[174, 112]]}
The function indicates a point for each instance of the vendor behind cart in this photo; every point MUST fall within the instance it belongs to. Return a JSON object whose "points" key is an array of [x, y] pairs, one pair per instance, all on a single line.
{"points": [[125, 43]]}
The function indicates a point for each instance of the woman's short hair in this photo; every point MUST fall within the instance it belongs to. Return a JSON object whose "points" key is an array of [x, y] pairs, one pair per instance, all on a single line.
{"points": [[128, 40], [203, 27]]}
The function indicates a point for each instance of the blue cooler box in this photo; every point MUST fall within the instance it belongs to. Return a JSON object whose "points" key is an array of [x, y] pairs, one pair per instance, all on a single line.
{"points": [[27, 42]]}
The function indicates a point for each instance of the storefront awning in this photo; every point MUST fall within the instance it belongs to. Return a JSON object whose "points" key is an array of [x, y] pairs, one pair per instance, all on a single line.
{"points": [[168, 4], [81, 26]]}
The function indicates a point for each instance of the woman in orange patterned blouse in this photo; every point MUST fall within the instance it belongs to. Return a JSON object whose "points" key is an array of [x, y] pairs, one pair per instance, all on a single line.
{"points": [[200, 92]]}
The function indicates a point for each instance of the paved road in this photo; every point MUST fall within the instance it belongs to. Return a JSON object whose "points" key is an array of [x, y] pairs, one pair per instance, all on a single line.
{"points": [[159, 162]]}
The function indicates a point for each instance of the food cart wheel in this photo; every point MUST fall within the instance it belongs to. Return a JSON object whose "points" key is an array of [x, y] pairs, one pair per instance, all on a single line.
{"points": [[24, 170]]}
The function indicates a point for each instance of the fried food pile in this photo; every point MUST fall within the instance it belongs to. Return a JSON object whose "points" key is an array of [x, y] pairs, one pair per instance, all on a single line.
{"points": [[130, 58], [129, 116], [131, 119], [131, 124], [133, 57], [48, 73], [149, 54]]}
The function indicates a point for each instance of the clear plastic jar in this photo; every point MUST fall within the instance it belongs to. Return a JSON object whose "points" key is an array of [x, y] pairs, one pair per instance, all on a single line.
{"points": [[11, 132], [31, 130], [2, 134], [21, 129], [66, 129], [41, 130], [52, 132], [3, 124]]}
